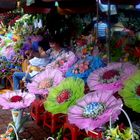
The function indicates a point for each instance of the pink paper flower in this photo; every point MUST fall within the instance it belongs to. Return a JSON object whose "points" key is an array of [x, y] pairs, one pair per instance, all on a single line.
{"points": [[110, 77], [94, 110], [81, 67], [42, 82], [64, 62], [16, 99]]}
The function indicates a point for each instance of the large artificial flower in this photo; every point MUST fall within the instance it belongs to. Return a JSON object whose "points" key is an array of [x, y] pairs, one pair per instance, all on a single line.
{"points": [[94, 110], [110, 77], [64, 95], [42, 82], [64, 62], [84, 67], [131, 92], [16, 99]]}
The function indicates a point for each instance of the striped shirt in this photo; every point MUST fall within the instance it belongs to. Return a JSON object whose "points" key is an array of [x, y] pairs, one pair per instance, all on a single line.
{"points": [[102, 27]]}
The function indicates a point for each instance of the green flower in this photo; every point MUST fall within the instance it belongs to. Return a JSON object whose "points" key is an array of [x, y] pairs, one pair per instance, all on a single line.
{"points": [[64, 95], [131, 92], [116, 134]]}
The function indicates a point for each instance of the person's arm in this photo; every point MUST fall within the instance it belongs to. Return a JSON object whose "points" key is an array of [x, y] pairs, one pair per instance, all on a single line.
{"points": [[35, 54], [95, 31], [42, 55], [106, 32]]}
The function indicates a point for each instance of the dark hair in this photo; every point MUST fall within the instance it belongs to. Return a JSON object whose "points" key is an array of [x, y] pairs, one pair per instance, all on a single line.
{"points": [[56, 38], [44, 44]]}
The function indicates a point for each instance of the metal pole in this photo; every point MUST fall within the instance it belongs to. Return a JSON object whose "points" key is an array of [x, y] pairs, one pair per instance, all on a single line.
{"points": [[109, 33], [97, 15]]}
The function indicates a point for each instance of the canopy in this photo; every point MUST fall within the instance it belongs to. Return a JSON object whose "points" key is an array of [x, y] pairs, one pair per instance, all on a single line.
{"points": [[127, 2], [6, 5]]}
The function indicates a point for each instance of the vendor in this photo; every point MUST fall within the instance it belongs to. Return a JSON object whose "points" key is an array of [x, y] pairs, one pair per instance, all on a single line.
{"points": [[44, 58], [35, 65]]}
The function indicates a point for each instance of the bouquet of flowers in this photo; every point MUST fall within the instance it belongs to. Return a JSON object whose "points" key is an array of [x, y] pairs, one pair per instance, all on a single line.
{"points": [[4, 69], [119, 133], [81, 67], [60, 62], [131, 92], [84, 67], [110, 77], [64, 95], [43, 82], [94, 110], [10, 133], [16, 101], [64, 62]]}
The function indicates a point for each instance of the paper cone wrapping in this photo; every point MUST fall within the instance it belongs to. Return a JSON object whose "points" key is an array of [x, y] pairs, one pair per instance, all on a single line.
{"points": [[17, 116]]}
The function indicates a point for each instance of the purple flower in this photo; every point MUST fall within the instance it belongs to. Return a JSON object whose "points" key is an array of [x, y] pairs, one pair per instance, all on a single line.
{"points": [[110, 77], [43, 82], [3, 70], [16, 99], [94, 110]]}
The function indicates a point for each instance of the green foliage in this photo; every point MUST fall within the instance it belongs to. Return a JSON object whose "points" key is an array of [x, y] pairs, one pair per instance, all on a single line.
{"points": [[18, 45], [77, 26], [130, 22], [4, 70]]}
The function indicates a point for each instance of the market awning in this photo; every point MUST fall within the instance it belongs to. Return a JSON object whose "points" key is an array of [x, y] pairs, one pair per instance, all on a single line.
{"points": [[7, 5], [122, 2]]}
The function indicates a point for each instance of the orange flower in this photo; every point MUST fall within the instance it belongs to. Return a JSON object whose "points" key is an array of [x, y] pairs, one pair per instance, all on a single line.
{"points": [[4, 139], [10, 130], [84, 51]]}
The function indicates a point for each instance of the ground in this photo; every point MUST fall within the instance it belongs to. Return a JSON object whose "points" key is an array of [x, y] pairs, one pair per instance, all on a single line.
{"points": [[31, 130]]}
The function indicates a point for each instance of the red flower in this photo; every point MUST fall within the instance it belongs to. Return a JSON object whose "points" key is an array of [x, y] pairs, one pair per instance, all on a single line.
{"points": [[122, 127], [138, 90], [110, 74], [63, 97], [137, 52], [16, 98], [120, 42]]}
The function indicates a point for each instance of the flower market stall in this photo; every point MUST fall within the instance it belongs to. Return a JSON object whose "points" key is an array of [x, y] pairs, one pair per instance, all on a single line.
{"points": [[86, 89]]}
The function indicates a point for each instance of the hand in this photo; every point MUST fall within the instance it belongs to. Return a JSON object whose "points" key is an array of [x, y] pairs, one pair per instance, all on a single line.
{"points": [[24, 79], [42, 68]]}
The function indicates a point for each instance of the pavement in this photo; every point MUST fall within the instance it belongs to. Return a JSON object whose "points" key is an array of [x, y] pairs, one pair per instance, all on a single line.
{"points": [[31, 130]]}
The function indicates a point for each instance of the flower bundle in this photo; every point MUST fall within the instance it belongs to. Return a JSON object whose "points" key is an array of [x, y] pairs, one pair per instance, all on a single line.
{"points": [[64, 62], [81, 67], [4, 69], [60, 62], [16, 99], [119, 133], [43, 82], [84, 67], [131, 92], [8, 135], [64, 95], [94, 110], [110, 77], [13, 21]]}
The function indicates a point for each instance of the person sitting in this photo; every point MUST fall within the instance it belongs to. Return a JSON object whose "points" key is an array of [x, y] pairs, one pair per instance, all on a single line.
{"points": [[36, 64]]}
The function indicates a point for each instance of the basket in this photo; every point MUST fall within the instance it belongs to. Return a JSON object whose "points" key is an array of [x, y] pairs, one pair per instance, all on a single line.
{"points": [[99, 135], [129, 121], [15, 131]]}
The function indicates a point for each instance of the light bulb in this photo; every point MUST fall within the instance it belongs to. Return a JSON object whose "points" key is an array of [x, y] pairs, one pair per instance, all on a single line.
{"points": [[56, 4]]}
